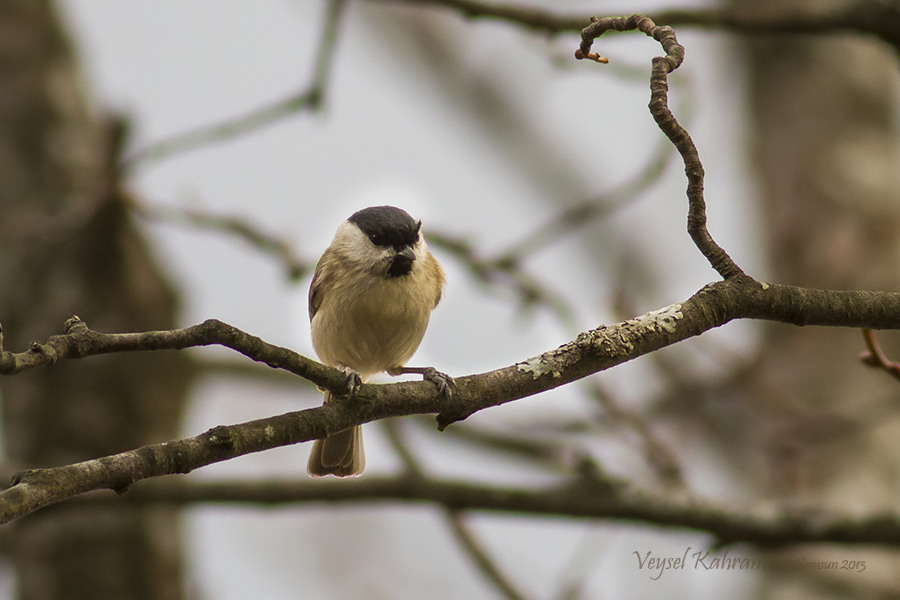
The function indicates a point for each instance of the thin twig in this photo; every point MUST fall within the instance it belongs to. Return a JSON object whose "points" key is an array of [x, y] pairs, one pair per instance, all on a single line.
{"points": [[410, 463], [581, 564], [486, 565], [239, 227], [549, 454], [874, 17], [582, 214], [529, 290], [534, 18], [455, 520], [658, 456], [665, 120], [311, 98], [876, 358]]}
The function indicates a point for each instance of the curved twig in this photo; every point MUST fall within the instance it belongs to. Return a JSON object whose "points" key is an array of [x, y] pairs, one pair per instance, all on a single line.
{"points": [[665, 120]]}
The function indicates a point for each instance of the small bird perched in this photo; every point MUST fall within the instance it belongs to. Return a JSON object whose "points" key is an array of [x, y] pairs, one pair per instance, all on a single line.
{"points": [[369, 304]]}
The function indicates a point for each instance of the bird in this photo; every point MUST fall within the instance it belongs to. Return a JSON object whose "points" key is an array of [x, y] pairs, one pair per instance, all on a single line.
{"points": [[370, 301]]}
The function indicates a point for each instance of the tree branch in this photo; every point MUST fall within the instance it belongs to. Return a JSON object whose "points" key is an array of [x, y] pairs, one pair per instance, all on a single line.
{"points": [[79, 341], [530, 17], [236, 226], [666, 121], [868, 17], [592, 351], [476, 552], [455, 520], [876, 358], [573, 218], [502, 271], [873, 17], [588, 499], [308, 99]]}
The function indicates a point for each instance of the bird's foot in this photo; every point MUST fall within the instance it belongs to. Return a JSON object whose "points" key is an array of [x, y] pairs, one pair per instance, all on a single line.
{"points": [[442, 381], [354, 380]]}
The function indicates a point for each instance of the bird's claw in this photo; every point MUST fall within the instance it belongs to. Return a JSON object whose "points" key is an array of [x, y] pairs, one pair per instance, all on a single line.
{"points": [[354, 380], [444, 382]]}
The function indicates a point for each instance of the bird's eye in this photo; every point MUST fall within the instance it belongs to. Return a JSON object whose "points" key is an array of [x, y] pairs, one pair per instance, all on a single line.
{"points": [[377, 239]]}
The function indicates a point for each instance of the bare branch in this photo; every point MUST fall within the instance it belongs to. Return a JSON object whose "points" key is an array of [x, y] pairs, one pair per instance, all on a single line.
{"points": [[79, 341], [236, 226], [590, 352], [574, 217], [479, 555], [874, 17], [657, 454], [499, 271], [546, 454], [310, 98], [666, 121], [530, 17], [588, 499], [876, 358], [865, 16], [455, 520]]}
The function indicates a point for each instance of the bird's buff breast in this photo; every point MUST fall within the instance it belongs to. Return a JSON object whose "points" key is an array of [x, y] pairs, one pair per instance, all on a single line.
{"points": [[373, 328]]}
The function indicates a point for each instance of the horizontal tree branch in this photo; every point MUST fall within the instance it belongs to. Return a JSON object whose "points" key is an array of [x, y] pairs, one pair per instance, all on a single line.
{"points": [[79, 341], [592, 351], [874, 17], [582, 498]]}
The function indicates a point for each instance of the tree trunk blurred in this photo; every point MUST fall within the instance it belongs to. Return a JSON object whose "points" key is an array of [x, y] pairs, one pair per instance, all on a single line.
{"points": [[69, 247], [822, 112], [823, 117]]}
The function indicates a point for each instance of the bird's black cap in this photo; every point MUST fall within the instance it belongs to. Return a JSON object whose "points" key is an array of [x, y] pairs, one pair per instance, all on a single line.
{"points": [[387, 225]]}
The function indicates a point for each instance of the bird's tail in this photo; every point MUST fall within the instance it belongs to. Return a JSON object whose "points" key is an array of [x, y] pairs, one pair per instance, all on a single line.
{"points": [[340, 454]]}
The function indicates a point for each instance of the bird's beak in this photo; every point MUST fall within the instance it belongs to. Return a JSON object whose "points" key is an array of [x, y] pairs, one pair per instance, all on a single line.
{"points": [[402, 262]]}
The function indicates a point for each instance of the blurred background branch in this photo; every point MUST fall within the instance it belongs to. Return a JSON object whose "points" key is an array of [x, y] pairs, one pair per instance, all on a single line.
{"points": [[309, 99]]}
